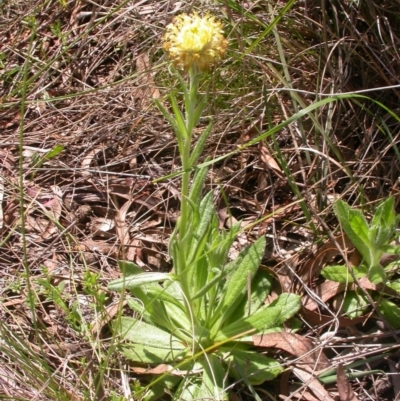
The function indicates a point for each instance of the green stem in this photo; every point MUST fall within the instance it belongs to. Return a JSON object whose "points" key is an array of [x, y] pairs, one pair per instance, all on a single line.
{"points": [[190, 103]]}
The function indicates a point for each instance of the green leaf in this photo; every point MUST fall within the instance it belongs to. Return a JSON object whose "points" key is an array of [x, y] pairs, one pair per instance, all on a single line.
{"points": [[219, 276], [129, 268], [379, 235], [165, 113], [341, 274], [273, 315], [354, 304], [56, 150], [206, 214], [391, 249], [394, 285], [390, 311], [199, 110], [260, 288], [355, 226], [157, 390], [198, 185], [213, 380], [237, 283], [385, 220], [149, 344], [199, 146], [132, 281], [376, 274], [179, 120], [221, 244], [162, 294], [153, 312], [254, 367]]}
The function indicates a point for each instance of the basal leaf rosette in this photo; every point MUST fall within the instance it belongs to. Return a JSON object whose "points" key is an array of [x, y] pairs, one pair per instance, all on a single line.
{"points": [[192, 41]]}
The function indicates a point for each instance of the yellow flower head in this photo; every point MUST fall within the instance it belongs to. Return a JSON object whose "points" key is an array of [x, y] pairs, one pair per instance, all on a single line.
{"points": [[194, 41]]}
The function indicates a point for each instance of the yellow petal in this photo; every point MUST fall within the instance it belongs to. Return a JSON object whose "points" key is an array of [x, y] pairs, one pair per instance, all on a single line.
{"points": [[194, 41]]}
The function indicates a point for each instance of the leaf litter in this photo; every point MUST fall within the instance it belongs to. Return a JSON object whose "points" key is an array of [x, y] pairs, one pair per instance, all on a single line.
{"points": [[96, 201]]}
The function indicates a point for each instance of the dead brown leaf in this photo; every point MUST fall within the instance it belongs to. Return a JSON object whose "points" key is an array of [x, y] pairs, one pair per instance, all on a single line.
{"points": [[313, 384], [121, 226], [268, 160], [346, 393], [148, 90], [309, 358]]}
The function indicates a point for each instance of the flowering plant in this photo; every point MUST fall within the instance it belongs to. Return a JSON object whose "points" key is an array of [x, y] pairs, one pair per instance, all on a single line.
{"points": [[197, 321]]}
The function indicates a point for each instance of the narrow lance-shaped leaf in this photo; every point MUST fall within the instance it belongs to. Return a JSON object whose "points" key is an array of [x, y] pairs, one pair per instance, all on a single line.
{"points": [[355, 226], [180, 122], [237, 283], [199, 146], [138, 280], [273, 315]]}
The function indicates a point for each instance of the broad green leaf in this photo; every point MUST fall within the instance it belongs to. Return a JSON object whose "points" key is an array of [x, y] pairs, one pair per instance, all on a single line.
{"points": [[260, 288], [355, 226], [385, 216], [390, 311], [253, 366], [391, 249], [354, 304], [206, 212], [161, 294], [376, 274], [196, 260], [129, 268], [359, 229], [394, 285], [179, 317], [133, 281], [213, 381], [157, 390], [149, 344], [341, 274], [152, 312], [379, 235], [238, 281], [271, 316]]}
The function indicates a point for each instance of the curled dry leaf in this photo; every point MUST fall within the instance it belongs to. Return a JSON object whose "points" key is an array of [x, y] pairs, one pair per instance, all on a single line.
{"points": [[268, 160], [147, 85], [313, 384], [122, 227], [309, 358], [346, 393], [325, 254], [102, 227], [55, 206], [310, 361]]}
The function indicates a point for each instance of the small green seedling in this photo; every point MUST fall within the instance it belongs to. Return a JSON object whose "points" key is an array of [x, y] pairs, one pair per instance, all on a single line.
{"points": [[372, 241], [38, 161]]}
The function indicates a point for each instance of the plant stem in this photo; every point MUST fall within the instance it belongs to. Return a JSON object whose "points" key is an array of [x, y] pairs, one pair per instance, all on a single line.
{"points": [[190, 103]]}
